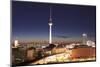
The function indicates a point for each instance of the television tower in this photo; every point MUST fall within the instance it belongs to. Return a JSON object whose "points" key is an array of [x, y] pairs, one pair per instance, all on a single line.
{"points": [[50, 28]]}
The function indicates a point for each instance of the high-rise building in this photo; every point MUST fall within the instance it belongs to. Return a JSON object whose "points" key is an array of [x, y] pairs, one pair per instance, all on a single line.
{"points": [[50, 28], [84, 38], [16, 43]]}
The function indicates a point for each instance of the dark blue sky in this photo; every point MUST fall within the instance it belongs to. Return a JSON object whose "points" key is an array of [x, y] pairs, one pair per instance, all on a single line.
{"points": [[30, 20]]}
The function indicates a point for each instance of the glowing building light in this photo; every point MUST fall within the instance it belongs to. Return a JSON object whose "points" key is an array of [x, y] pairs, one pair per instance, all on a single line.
{"points": [[91, 43], [84, 38], [16, 43]]}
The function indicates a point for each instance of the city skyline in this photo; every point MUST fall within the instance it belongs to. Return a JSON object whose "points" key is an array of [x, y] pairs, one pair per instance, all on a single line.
{"points": [[30, 21]]}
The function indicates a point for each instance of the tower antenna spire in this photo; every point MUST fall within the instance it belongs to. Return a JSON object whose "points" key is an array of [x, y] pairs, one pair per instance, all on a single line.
{"points": [[50, 13]]}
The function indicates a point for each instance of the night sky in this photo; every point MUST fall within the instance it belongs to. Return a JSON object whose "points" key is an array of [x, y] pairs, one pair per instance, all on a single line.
{"points": [[30, 21]]}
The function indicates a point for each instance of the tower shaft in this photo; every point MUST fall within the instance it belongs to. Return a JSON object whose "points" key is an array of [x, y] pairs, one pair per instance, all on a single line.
{"points": [[50, 34]]}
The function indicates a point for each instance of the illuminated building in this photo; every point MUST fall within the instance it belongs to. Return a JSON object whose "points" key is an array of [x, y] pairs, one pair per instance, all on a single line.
{"points": [[70, 46], [57, 50], [84, 38], [91, 43], [83, 52], [31, 53], [16, 44]]}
